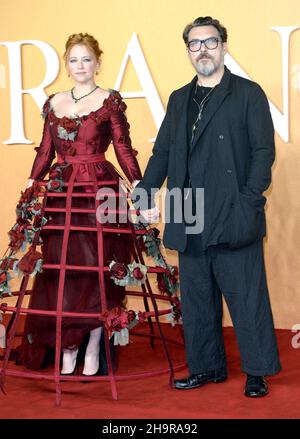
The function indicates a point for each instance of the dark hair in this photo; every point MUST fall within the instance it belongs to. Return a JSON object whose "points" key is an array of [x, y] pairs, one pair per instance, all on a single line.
{"points": [[205, 21]]}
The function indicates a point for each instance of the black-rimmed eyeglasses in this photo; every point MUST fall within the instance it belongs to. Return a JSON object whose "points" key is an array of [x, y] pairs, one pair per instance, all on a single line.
{"points": [[210, 44]]}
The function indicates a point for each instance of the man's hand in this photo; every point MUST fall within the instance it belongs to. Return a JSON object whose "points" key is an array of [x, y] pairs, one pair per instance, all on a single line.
{"points": [[30, 182], [150, 216]]}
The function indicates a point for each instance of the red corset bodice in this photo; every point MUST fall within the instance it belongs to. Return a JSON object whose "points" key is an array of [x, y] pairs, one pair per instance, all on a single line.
{"points": [[85, 138]]}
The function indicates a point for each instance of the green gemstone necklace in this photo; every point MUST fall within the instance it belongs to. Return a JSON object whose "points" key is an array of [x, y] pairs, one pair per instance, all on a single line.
{"points": [[81, 97]]}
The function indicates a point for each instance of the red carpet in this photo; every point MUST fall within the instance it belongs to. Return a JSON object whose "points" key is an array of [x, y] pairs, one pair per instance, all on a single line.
{"points": [[152, 398]]}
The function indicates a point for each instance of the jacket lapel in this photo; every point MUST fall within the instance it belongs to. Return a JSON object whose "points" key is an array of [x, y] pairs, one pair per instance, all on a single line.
{"points": [[218, 96]]}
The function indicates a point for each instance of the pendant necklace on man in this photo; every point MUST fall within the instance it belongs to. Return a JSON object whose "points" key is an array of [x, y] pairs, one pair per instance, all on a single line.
{"points": [[200, 108], [84, 96]]}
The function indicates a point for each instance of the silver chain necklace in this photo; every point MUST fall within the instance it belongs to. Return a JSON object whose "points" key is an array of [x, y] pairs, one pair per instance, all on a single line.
{"points": [[200, 107]]}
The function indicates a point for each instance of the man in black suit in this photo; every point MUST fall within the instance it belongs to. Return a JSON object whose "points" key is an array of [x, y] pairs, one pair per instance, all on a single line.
{"points": [[218, 135]]}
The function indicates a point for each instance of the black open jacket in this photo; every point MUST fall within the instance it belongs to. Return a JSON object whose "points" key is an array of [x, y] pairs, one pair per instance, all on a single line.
{"points": [[231, 158]]}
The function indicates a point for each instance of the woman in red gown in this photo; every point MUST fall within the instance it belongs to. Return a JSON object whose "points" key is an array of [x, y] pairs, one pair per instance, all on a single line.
{"points": [[79, 126]]}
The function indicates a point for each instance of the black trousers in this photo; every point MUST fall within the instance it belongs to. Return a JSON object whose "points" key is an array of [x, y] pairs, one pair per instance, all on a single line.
{"points": [[240, 276]]}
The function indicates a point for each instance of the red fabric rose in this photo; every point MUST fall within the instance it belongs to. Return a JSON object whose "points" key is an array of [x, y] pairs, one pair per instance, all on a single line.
{"points": [[137, 273], [122, 106], [161, 283], [46, 106], [16, 239], [115, 320], [161, 280], [28, 262], [114, 102], [131, 315], [69, 125], [119, 270], [3, 265], [52, 117], [37, 206], [37, 222], [3, 277], [30, 193], [7, 264], [176, 305], [173, 277], [22, 223], [3, 307], [54, 185]]}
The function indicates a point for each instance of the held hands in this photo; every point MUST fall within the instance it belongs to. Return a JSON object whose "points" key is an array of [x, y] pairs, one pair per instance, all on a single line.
{"points": [[151, 216]]}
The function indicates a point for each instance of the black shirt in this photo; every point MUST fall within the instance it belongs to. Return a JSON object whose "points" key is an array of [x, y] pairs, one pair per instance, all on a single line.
{"points": [[194, 242], [198, 94]]}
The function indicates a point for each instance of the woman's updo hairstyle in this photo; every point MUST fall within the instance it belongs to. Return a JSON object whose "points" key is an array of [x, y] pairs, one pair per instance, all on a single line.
{"points": [[86, 39]]}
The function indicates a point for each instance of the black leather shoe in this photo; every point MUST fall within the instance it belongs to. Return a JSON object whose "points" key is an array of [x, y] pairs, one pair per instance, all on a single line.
{"points": [[256, 386], [200, 379]]}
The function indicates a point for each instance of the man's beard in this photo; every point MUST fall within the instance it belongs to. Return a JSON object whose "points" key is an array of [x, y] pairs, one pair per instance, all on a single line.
{"points": [[208, 67]]}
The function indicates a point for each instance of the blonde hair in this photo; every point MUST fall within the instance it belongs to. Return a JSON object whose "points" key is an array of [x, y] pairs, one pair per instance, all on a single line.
{"points": [[86, 39]]}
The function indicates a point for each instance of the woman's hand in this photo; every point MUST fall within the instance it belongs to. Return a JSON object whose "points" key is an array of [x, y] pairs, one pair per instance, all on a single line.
{"points": [[134, 183], [151, 216], [30, 182]]}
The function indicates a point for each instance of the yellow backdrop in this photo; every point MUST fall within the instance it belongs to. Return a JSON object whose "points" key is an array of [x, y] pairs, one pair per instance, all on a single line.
{"points": [[158, 24]]}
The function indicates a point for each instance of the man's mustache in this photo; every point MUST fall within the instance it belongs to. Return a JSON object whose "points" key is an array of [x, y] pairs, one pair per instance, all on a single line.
{"points": [[204, 55]]}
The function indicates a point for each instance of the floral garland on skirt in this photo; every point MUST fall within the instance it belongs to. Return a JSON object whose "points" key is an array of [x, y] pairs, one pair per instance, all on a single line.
{"points": [[29, 222]]}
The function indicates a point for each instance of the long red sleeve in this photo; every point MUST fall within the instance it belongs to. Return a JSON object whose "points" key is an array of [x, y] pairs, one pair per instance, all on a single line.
{"points": [[45, 152], [122, 144]]}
